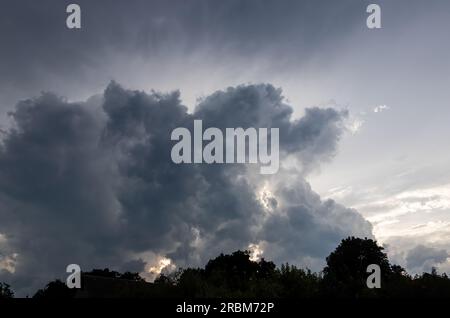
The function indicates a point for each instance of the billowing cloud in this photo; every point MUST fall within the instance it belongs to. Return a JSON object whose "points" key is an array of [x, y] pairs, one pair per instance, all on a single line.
{"points": [[93, 183]]}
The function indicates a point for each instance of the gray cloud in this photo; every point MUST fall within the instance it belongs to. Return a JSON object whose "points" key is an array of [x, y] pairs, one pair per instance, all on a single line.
{"points": [[38, 51], [89, 182], [423, 258], [93, 183], [56, 207], [304, 228]]}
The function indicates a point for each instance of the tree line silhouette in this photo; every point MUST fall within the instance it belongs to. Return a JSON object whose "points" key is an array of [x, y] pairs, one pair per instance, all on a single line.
{"points": [[236, 276]]}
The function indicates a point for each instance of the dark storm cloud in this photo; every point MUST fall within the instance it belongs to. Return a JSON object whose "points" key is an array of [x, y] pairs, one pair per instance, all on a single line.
{"points": [[33, 29], [38, 50], [56, 206], [305, 227], [93, 183], [313, 138], [39, 53]]}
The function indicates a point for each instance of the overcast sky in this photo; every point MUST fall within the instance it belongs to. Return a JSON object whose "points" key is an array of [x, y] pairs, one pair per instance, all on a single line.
{"points": [[87, 179]]}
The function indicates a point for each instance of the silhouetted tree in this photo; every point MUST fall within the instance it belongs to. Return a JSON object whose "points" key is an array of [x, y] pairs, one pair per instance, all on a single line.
{"points": [[132, 276], [236, 275], [192, 282], [163, 280], [5, 291], [431, 285], [55, 289], [297, 282], [345, 274], [107, 273]]}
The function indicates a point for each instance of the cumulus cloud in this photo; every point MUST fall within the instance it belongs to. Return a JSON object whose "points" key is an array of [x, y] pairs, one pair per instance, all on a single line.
{"points": [[93, 183]]}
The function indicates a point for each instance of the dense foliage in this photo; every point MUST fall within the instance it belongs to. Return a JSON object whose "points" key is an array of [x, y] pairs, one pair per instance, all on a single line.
{"points": [[235, 276]]}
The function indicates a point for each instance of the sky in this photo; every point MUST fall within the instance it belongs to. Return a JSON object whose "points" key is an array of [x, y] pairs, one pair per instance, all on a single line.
{"points": [[86, 115]]}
